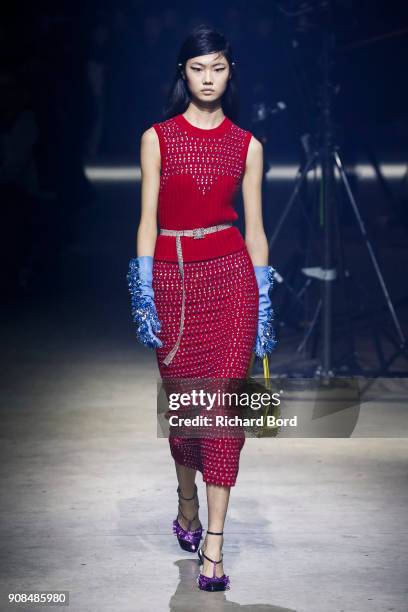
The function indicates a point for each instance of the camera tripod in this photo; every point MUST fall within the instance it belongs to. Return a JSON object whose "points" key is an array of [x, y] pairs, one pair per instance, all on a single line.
{"points": [[332, 268]]}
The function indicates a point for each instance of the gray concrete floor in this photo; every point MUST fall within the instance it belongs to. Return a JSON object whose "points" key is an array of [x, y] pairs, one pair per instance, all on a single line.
{"points": [[89, 492]]}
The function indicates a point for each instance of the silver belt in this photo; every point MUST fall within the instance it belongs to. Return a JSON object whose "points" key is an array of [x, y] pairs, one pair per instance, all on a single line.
{"points": [[198, 232]]}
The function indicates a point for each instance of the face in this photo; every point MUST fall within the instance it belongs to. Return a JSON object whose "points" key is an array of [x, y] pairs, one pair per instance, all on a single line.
{"points": [[210, 72]]}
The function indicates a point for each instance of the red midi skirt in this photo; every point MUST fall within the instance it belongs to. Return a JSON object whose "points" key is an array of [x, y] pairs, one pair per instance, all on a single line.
{"points": [[220, 326]]}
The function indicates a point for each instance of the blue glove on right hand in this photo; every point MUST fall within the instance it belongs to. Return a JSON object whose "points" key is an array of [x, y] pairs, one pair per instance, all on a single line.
{"points": [[265, 339], [144, 313]]}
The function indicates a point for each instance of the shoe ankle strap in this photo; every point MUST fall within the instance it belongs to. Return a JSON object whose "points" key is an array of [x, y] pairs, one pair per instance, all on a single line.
{"points": [[187, 498], [212, 561], [215, 532], [190, 521]]}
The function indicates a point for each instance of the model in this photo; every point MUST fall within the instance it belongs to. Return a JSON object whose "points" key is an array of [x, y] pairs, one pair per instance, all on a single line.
{"points": [[200, 292]]}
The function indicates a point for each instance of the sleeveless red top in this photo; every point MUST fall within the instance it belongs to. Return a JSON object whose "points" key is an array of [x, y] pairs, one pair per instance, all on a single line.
{"points": [[201, 172]]}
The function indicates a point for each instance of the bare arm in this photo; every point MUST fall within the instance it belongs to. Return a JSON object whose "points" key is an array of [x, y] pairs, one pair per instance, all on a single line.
{"points": [[150, 172], [255, 237]]}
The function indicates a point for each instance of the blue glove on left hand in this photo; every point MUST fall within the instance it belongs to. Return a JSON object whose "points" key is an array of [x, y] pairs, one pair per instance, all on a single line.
{"points": [[265, 339]]}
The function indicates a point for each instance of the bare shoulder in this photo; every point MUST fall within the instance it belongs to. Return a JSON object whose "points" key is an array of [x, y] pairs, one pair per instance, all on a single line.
{"points": [[150, 149], [255, 147], [150, 137], [254, 158]]}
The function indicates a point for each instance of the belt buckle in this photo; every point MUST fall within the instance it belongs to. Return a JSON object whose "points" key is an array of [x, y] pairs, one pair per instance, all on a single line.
{"points": [[198, 232]]}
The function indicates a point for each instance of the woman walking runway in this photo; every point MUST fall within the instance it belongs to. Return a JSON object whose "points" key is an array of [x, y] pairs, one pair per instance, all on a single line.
{"points": [[200, 292]]}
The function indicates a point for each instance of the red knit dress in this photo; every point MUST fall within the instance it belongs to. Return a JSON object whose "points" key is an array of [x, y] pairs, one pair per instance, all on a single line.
{"points": [[201, 172]]}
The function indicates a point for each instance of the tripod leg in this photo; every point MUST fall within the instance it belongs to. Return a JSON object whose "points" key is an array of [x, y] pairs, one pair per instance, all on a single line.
{"points": [[369, 247], [300, 178], [345, 304], [308, 333]]}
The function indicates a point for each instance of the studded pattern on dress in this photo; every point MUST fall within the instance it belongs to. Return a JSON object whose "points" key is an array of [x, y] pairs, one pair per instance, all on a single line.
{"points": [[219, 334], [201, 171], [204, 159]]}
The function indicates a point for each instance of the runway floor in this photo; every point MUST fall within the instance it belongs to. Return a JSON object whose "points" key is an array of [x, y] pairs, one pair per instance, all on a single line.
{"points": [[89, 493]]}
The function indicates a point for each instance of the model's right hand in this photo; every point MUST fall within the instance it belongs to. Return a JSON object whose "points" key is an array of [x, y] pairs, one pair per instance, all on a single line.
{"points": [[144, 313]]}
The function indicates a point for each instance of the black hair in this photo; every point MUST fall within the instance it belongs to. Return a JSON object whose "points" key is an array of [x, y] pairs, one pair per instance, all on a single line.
{"points": [[202, 40]]}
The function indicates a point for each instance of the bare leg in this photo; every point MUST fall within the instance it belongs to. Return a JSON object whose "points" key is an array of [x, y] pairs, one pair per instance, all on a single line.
{"points": [[186, 479], [217, 500]]}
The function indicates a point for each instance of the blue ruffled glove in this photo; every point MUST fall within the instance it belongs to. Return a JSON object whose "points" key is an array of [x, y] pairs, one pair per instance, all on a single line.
{"points": [[265, 339], [139, 277]]}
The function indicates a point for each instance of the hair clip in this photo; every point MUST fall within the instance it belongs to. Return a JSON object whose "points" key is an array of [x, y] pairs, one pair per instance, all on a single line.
{"points": [[179, 64], [232, 63]]}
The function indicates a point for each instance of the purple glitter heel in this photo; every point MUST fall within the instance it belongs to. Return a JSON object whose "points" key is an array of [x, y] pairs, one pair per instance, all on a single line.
{"points": [[214, 583], [188, 539]]}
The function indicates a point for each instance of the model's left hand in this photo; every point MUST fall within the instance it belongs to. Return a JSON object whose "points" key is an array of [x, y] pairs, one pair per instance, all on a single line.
{"points": [[265, 339]]}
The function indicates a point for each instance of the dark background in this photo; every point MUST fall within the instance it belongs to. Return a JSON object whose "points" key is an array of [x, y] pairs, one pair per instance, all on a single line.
{"points": [[80, 82]]}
